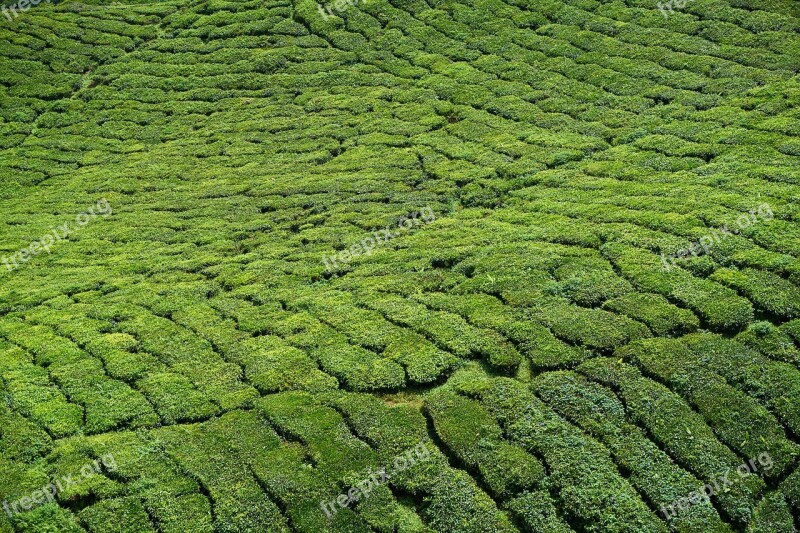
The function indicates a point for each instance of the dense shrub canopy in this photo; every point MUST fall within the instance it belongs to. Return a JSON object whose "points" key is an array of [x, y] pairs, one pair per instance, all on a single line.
{"points": [[555, 243]]}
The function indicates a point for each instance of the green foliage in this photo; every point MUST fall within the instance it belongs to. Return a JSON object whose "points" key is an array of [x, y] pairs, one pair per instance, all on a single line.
{"points": [[656, 312], [34, 395], [238, 502], [772, 514], [581, 469], [533, 340], [586, 285], [467, 429], [719, 306], [738, 420], [598, 411], [593, 328], [121, 515], [449, 331], [681, 432], [767, 290], [23, 440], [538, 512], [190, 512], [775, 384], [48, 517], [566, 150], [771, 341], [455, 500], [175, 398]]}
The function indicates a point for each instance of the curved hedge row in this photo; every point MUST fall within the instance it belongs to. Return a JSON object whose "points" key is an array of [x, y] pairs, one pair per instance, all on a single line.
{"points": [[472, 435], [738, 420], [771, 341], [775, 384], [765, 289], [106, 403], [449, 331], [543, 348], [651, 471], [582, 473], [679, 431], [454, 502], [656, 312], [719, 306]]}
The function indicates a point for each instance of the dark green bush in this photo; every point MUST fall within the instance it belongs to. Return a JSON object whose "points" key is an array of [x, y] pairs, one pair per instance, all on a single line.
{"points": [[470, 432], [737, 419], [772, 514], [598, 411], [770, 340], [537, 511], [581, 469], [678, 430], [120, 515], [656, 312]]}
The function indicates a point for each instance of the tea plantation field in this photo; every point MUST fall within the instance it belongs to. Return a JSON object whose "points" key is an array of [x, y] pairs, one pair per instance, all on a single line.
{"points": [[400, 266]]}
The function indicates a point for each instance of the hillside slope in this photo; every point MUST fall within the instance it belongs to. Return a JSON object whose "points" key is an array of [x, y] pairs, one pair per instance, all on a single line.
{"points": [[458, 266]]}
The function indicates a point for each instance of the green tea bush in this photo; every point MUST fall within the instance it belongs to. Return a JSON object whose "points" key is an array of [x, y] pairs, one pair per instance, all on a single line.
{"points": [[422, 360], [598, 411], [25, 441], [678, 430], [771, 341], [467, 429], [655, 311], [772, 514], [455, 500], [448, 331], [124, 514], [282, 469], [537, 511], [719, 306], [175, 398], [775, 384], [273, 366], [30, 391], [589, 286], [768, 291], [593, 328], [49, 515], [227, 481], [792, 328], [582, 471], [737, 419], [790, 487]]}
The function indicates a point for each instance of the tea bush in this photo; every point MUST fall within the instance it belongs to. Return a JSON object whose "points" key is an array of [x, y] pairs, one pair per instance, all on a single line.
{"points": [[532, 331]]}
